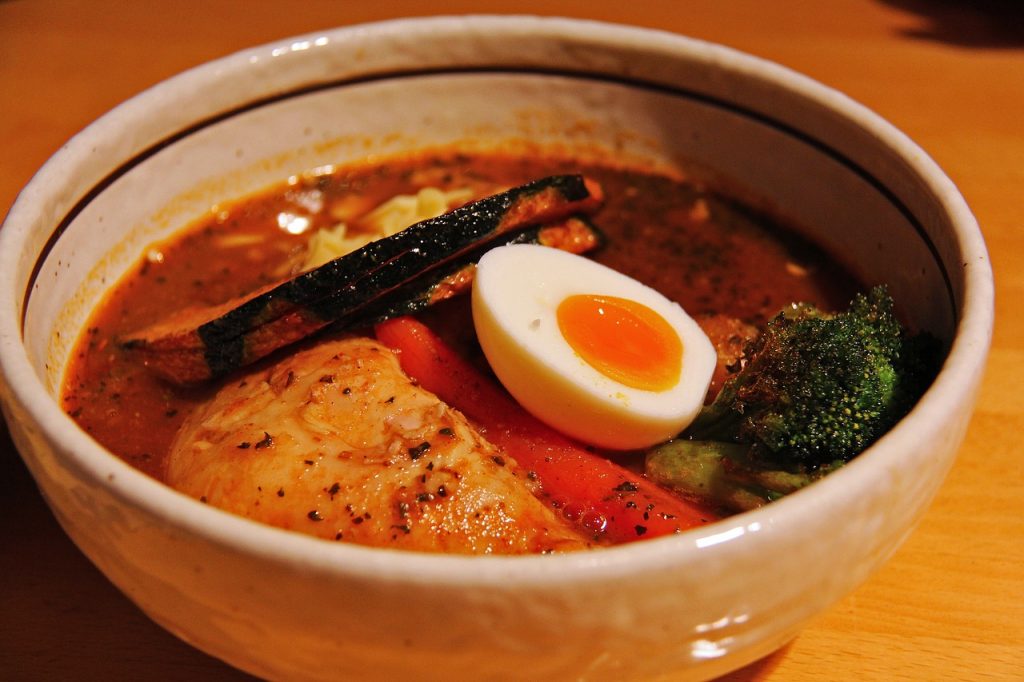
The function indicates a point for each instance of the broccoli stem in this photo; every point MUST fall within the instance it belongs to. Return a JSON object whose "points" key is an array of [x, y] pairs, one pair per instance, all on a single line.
{"points": [[719, 473]]}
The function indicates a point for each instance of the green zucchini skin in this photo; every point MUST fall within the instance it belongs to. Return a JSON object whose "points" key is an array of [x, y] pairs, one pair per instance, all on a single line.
{"points": [[426, 289], [380, 279]]}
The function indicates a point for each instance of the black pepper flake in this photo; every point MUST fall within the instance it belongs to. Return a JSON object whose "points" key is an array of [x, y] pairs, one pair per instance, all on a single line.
{"points": [[430, 466], [203, 499], [640, 530], [442, 491], [267, 441], [171, 412], [390, 400], [338, 536], [314, 516], [631, 505], [327, 379], [532, 475], [357, 520], [446, 432], [499, 460], [309, 462], [75, 413], [417, 451], [404, 528], [280, 492], [244, 445], [346, 391], [424, 497], [625, 487], [333, 490]]}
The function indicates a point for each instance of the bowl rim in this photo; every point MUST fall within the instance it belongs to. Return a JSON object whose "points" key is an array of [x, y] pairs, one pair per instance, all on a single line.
{"points": [[962, 368]]}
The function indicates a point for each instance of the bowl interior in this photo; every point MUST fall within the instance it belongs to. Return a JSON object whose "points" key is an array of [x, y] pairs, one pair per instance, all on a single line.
{"points": [[860, 202]]}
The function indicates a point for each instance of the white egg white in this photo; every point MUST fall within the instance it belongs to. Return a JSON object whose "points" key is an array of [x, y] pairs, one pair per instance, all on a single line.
{"points": [[516, 292]]}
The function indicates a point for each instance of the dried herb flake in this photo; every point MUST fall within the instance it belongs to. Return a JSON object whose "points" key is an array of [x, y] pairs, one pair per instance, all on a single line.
{"points": [[417, 451]]}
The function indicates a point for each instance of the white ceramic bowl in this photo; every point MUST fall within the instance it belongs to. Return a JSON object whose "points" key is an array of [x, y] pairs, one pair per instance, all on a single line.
{"points": [[284, 605]]}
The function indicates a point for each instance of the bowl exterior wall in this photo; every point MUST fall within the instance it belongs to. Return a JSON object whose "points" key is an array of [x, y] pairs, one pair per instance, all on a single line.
{"points": [[287, 619]]}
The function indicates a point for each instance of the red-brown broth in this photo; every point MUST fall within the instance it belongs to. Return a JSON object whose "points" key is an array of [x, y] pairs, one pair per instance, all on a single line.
{"points": [[704, 251]]}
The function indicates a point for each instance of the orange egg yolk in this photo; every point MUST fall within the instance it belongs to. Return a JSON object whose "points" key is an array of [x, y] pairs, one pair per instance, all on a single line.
{"points": [[623, 340]]}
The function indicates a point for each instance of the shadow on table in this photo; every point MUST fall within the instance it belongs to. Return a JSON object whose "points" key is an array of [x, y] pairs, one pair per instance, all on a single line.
{"points": [[967, 23], [760, 669]]}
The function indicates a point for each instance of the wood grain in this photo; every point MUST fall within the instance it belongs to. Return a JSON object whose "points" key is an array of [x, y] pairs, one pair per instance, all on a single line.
{"points": [[949, 605]]}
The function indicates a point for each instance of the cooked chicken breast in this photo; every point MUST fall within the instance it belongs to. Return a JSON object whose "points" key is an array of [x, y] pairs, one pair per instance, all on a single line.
{"points": [[336, 441]]}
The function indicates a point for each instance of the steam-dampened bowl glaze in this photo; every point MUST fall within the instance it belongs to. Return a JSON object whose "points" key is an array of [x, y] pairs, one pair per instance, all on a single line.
{"points": [[282, 605]]}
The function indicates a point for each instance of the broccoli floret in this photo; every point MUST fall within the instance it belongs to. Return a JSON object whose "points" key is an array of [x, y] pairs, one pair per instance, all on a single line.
{"points": [[818, 387], [816, 390]]}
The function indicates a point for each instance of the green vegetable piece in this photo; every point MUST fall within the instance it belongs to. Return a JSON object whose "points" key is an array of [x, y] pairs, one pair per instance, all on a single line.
{"points": [[721, 474], [816, 389], [819, 388]]}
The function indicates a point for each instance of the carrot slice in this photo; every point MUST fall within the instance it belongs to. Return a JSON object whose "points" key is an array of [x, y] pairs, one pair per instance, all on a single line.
{"points": [[602, 496]]}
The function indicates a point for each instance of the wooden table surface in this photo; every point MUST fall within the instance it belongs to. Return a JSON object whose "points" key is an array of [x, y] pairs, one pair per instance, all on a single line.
{"points": [[949, 605]]}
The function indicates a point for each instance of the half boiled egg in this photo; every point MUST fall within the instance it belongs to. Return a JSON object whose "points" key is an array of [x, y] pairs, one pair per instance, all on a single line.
{"points": [[587, 350]]}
